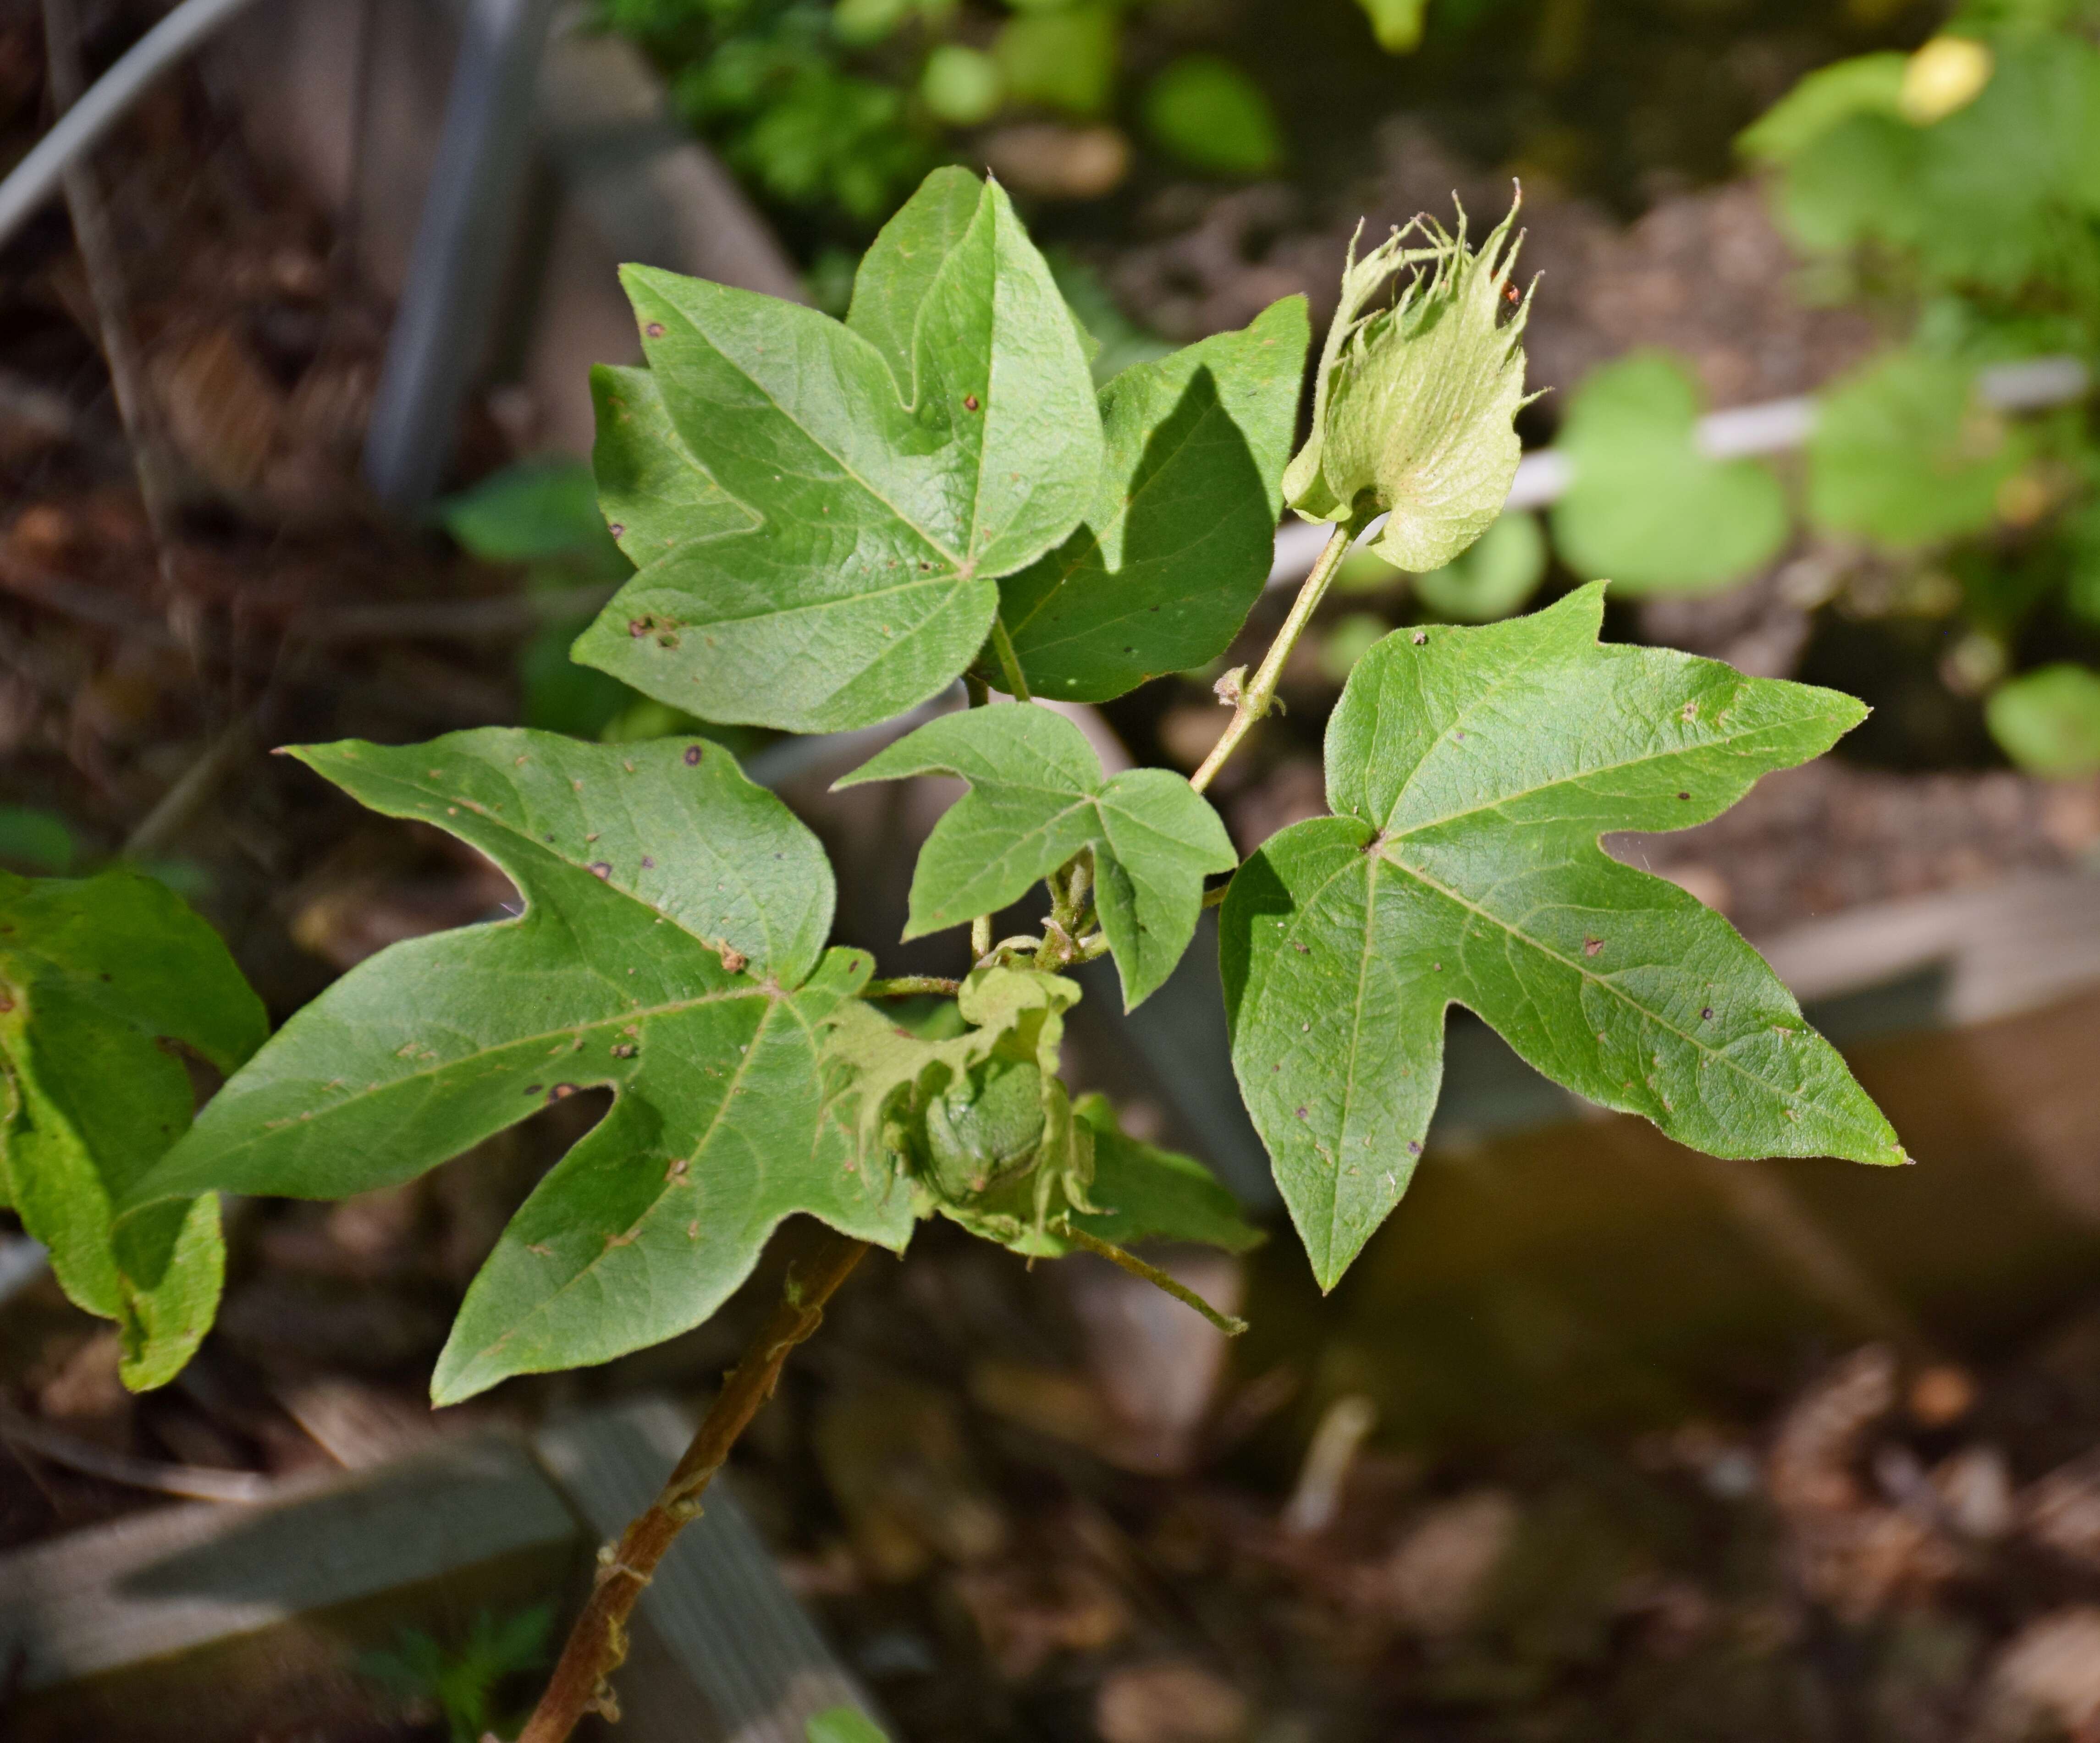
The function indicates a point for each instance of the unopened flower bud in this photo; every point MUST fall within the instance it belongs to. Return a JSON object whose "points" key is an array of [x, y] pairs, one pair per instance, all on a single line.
{"points": [[1414, 408]]}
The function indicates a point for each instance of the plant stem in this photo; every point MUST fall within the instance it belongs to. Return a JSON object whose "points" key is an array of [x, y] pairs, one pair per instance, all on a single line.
{"points": [[908, 986], [598, 1643], [1009, 662], [1231, 1324], [1255, 695]]}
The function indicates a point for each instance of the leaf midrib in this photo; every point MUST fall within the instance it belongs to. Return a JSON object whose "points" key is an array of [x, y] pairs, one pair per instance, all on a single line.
{"points": [[1718, 744], [817, 442], [546, 1303], [1603, 983], [360, 1098]]}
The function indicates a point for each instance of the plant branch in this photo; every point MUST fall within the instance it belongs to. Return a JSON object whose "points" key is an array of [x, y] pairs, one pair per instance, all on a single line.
{"points": [[1009, 662], [1255, 695], [598, 1643], [909, 986], [1231, 1324]]}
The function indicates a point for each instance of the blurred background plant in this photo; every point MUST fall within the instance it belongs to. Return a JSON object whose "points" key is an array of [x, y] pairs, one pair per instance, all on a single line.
{"points": [[1952, 194]]}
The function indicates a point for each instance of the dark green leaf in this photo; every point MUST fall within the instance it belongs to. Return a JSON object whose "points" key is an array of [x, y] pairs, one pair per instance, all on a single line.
{"points": [[1471, 771], [534, 513], [1177, 542], [1150, 1194], [672, 913], [95, 975], [1211, 116], [889, 509], [1038, 798]]}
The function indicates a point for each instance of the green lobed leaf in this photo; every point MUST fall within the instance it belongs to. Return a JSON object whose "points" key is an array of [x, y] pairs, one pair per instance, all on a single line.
{"points": [[1413, 405], [671, 948], [95, 973], [1645, 507], [1177, 542], [654, 496], [1905, 453], [891, 489], [1037, 798], [1472, 772]]}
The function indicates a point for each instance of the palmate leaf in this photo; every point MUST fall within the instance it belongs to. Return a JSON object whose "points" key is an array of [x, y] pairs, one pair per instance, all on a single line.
{"points": [[1176, 543], [95, 973], [1471, 771], [672, 948], [891, 469], [1037, 797]]}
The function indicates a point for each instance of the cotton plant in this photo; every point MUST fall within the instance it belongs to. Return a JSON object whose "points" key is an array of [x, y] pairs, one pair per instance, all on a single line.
{"points": [[832, 522]]}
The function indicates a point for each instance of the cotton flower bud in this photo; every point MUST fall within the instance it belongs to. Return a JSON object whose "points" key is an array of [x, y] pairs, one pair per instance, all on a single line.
{"points": [[1414, 407]]}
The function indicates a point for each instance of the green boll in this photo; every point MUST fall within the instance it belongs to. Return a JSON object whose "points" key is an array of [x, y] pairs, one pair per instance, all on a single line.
{"points": [[985, 1128], [1414, 408]]}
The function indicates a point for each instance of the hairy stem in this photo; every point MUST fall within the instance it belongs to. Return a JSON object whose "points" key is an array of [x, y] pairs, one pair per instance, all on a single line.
{"points": [[1256, 695], [598, 1643], [1009, 662], [908, 986]]}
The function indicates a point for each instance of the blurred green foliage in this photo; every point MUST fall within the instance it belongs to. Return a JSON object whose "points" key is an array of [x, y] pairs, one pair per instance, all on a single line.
{"points": [[836, 110], [1956, 190], [1647, 508], [460, 1686], [1206, 111]]}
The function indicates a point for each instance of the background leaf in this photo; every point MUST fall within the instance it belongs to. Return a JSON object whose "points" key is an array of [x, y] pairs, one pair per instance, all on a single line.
{"points": [[672, 911], [1646, 507], [1865, 85], [1211, 115], [887, 509], [1471, 771], [2048, 720], [1490, 578], [1037, 797], [94, 975], [1905, 453], [1177, 544]]}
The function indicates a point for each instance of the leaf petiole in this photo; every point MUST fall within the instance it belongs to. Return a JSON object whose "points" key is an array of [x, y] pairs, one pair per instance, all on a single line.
{"points": [[911, 986], [1256, 696], [1231, 1324], [1009, 662]]}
